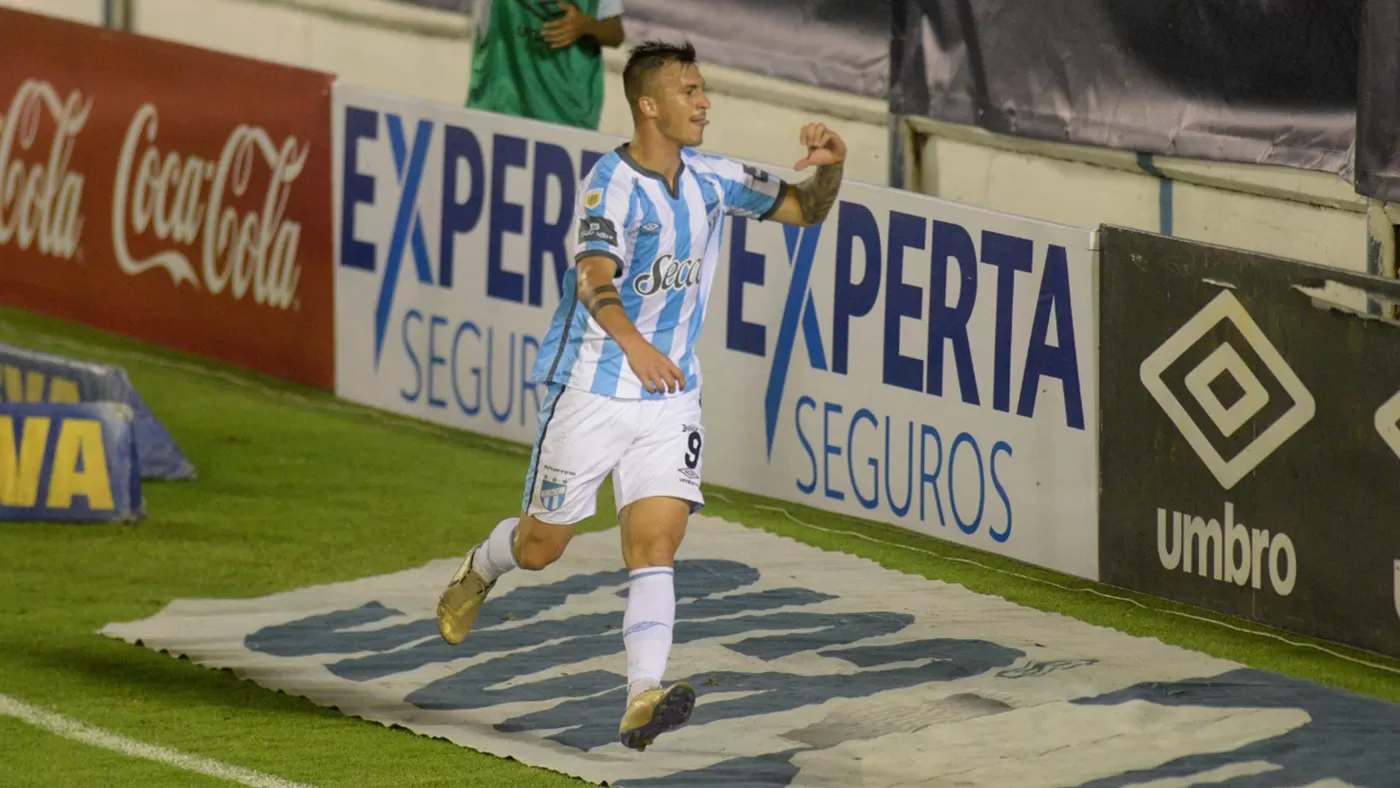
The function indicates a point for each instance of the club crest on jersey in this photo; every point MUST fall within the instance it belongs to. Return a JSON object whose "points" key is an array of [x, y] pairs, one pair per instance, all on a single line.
{"points": [[593, 198], [667, 273]]}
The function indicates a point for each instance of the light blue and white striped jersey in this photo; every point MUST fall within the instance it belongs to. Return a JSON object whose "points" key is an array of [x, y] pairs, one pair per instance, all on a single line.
{"points": [[666, 246]]}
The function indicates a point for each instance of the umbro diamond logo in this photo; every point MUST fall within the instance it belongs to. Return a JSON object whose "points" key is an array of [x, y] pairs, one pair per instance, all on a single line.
{"points": [[1227, 389]]}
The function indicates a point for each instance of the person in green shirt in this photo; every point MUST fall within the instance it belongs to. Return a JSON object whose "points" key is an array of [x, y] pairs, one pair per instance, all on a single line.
{"points": [[543, 59]]}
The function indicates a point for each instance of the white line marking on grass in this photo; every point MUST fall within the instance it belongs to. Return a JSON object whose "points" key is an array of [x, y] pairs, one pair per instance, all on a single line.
{"points": [[77, 731]]}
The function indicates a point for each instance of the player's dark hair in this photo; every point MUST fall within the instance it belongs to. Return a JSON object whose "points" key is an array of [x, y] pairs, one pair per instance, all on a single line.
{"points": [[645, 60]]}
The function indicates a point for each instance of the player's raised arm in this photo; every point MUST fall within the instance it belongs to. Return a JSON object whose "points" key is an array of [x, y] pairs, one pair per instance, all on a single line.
{"points": [[599, 296], [807, 203]]}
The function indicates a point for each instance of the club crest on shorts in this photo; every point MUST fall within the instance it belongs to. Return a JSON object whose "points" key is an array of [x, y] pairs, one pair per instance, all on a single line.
{"points": [[552, 494]]}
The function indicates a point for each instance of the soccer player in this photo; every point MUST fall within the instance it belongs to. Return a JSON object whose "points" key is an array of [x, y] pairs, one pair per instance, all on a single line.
{"points": [[619, 366]]}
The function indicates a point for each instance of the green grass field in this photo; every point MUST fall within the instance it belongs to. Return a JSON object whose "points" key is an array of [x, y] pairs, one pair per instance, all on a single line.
{"points": [[297, 489]]}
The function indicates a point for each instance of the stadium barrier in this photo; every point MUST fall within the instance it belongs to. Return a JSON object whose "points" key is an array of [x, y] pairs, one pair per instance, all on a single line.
{"points": [[1250, 437], [912, 360], [31, 376], [168, 193], [69, 462]]}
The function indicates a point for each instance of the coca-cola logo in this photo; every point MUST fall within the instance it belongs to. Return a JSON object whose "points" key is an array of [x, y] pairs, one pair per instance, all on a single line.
{"points": [[189, 202], [40, 200]]}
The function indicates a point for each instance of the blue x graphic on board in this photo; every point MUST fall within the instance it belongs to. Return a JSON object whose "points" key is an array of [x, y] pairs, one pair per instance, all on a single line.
{"points": [[408, 166], [802, 250]]}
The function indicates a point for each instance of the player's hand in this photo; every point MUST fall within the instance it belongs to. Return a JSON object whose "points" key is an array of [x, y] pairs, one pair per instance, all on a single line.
{"points": [[654, 369], [564, 30], [823, 145]]}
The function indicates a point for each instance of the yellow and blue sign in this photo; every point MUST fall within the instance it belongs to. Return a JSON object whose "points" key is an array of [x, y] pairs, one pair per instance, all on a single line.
{"points": [[32, 376], [69, 462], [21, 383]]}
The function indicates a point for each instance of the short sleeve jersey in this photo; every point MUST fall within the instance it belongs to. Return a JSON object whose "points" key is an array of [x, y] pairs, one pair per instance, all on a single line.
{"points": [[665, 245]]}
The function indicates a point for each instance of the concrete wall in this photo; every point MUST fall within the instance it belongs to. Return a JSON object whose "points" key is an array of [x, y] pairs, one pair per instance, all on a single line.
{"points": [[1291, 213], [89, 11]]}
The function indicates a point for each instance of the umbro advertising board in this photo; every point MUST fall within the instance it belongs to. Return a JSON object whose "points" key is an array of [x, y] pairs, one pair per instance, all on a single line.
{"points": [[1250, 449]]}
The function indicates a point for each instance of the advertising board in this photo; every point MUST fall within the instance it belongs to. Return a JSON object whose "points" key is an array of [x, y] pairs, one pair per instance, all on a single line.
{"points": [[167, 193], [1250, 438], [911, 360], [28, 375], [69, 462]]}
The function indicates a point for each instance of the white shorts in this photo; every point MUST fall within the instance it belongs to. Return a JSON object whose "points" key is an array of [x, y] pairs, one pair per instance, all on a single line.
{"points": [[652, 447]]}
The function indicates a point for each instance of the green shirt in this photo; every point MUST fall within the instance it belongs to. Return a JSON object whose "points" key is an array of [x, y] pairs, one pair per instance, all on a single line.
{"points": [[516, 73]]}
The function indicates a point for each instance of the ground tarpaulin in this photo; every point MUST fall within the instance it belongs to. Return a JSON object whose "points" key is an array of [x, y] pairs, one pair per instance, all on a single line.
{"points": [[813, 668]]}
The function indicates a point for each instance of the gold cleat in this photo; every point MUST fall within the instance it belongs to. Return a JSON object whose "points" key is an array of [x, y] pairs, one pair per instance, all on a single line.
{"points": [[461, 602], [655, 712]]}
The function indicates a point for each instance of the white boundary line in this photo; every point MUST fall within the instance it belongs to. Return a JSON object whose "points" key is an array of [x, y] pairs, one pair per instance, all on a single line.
{"points": [[77, 731], [390, 419]]}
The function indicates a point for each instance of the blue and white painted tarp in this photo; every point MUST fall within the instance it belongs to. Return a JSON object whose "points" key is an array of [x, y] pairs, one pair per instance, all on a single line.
{"points": [[813, 668]]}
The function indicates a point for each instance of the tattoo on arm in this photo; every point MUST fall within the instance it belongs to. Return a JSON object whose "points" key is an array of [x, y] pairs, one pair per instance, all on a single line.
{"points": [[817, 194], [599, 297]]}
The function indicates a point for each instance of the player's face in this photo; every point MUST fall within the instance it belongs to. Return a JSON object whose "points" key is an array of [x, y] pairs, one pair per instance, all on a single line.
{"points": [[681, 112]]}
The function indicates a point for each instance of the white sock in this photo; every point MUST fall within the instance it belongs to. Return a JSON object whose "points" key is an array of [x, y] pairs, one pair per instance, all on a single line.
{"points": [[497, 553], [646, 627]]}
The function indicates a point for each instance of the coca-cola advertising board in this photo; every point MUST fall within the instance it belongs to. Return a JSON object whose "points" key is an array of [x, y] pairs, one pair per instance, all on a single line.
{"points": [[167, 193]]}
